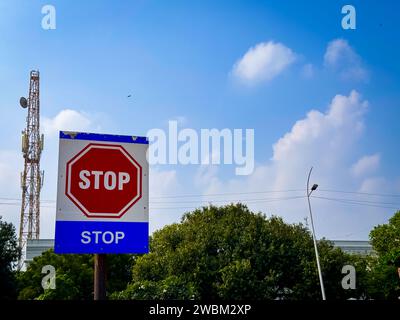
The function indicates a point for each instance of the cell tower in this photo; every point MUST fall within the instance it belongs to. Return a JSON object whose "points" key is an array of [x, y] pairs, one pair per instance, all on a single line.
{"points": [[31, 177]]}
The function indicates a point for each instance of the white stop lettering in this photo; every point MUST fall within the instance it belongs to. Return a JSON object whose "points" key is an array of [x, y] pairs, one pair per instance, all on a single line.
{"points": [[109, 179]]}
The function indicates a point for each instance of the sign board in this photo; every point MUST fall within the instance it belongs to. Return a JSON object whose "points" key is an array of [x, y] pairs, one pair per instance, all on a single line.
{"points": [[102, 194]]}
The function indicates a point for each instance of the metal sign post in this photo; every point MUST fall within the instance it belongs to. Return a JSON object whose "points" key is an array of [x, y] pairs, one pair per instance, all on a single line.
{"points": [[99, 277]]}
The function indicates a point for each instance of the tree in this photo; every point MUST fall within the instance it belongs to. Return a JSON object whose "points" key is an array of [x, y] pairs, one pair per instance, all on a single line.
{"points": [[74, 276], [231, 253], [384, 282], [9, 256], [225, 253], [386, 239]]}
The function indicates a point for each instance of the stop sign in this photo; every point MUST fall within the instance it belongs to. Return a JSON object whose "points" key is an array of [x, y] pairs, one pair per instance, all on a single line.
{"points": [[103, 180]]}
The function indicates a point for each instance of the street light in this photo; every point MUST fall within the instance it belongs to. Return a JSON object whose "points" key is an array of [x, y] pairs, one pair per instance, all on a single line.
{"points": [[313, 188]]}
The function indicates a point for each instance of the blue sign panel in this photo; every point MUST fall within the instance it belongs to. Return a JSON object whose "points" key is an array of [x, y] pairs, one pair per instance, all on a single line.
{"points": [[101, 237]]}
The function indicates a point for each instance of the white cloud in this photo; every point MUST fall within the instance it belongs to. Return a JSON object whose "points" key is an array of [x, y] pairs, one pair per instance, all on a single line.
{"points": [[366, 164], [336, 50], [162, 183], [326, 140], [206, 176], [322, 139], [342, 58], [308, 71], [68, 120], [375, 185], [262, 62], [320, 133], [11, 164]]}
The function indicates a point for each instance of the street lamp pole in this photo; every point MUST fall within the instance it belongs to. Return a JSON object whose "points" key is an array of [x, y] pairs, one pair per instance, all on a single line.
{"points": [[313, 188]]}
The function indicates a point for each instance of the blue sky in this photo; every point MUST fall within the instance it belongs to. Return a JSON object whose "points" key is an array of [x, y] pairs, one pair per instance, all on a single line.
{"points": [[177, 59]]}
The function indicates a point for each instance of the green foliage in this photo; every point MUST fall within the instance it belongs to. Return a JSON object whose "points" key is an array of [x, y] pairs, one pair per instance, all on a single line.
{"points": [[219, 253], [168, 288], [231, 253], [66, 289], [386, 239], [119, 271], [384, 282], [74, 276], [9, 256]]}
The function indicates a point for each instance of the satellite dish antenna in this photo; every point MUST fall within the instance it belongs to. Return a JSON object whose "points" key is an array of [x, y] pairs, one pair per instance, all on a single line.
{"points": [[23, 102]]}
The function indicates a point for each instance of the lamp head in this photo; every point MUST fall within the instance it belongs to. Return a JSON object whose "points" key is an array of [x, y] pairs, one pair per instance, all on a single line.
{"points": [[314, 187]]}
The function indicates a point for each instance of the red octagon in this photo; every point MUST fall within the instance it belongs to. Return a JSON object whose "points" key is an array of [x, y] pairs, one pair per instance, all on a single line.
{"points": [[103, 181]]}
